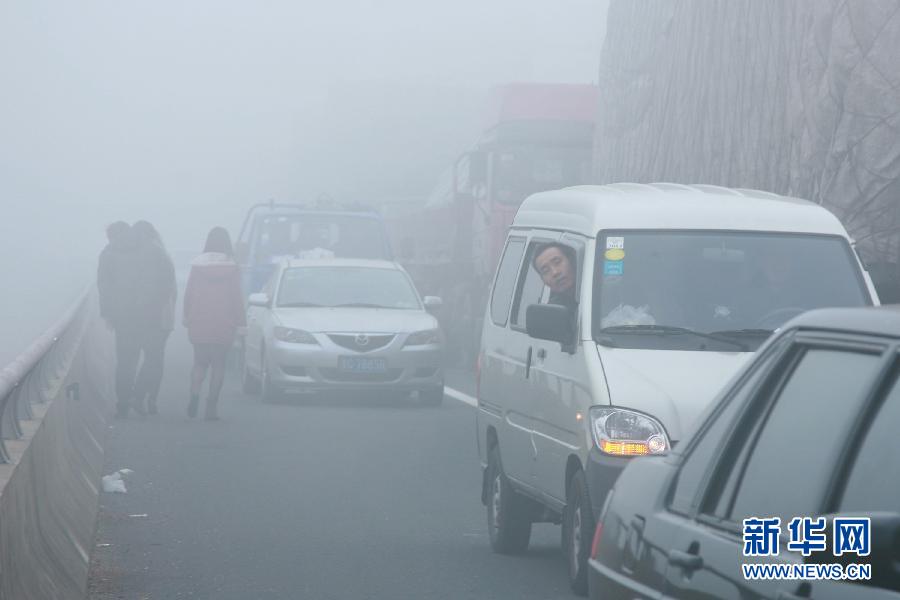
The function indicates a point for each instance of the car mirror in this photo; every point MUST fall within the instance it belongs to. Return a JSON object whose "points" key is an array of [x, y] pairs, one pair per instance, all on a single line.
{"points": [[432, 302], [884, 550], [551, 322], [259, 299], [240, 252]]}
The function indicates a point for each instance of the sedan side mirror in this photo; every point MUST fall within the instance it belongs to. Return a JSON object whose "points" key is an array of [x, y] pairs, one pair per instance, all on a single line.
{"points": [[432, 302], [549, 322], [259, 299]]}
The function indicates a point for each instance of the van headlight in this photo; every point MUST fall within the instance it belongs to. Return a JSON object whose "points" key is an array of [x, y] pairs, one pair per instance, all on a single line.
{"points": [[622, 432], [422, 338], [294, 336]]}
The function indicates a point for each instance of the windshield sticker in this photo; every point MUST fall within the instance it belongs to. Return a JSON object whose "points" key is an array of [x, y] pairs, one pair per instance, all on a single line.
{"points": [[615, 243], [613, 267], [614, 254]]}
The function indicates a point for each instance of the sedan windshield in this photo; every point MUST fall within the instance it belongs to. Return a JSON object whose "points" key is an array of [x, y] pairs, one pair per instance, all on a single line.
{"points": [[346, 287], [723, 291]]}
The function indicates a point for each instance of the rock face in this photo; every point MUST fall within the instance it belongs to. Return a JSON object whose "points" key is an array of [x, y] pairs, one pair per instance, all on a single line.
{"points": [[798, 97]]}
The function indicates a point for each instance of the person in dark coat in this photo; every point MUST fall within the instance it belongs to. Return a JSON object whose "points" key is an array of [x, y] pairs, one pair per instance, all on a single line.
{"points": [[213, 314], [157, 292], [117, 283]]}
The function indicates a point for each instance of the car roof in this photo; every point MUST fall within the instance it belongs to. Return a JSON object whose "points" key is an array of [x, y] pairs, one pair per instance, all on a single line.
{"points": [[587, 209], [342, 262], [879, 320]]}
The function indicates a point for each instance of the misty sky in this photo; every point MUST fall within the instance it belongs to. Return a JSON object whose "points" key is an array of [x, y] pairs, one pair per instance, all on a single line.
{"points": [[184, 113]]}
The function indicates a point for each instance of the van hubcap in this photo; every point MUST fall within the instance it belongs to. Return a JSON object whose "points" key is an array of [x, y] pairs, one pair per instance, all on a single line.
{"points": [[495, 503], [576, 540]]}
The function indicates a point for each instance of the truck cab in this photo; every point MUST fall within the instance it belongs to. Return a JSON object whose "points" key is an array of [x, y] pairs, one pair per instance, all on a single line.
{"points": [[274, 232]]}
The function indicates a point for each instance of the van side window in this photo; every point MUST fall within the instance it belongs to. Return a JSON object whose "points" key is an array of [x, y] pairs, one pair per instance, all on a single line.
{"points": [[505, 283], [531, 291]]}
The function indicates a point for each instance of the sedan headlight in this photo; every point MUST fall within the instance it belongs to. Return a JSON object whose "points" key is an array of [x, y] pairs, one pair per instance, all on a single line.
{"points": [[622, 432], [421, 338], [294, 336]]}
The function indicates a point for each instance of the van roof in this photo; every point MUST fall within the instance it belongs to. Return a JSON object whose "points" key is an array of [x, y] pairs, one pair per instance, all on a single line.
{"points": [[587, 209]]}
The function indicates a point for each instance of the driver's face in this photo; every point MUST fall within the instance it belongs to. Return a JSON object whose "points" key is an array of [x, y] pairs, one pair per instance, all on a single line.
{"points": [[555, 269]]}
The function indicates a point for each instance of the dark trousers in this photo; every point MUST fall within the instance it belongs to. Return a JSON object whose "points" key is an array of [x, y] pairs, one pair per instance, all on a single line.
{"points": [[133, 387]]}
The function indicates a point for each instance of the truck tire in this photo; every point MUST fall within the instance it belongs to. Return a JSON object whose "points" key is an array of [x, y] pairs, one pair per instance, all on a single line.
{"points": [[509, 524]]}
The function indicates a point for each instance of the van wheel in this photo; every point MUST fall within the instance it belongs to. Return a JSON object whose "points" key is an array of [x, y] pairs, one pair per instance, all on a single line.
{"points": [[578, 530], [509, 525]]}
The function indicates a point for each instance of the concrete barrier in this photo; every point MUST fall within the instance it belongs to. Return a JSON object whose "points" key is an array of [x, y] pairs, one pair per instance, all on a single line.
{"points": [[50, 483]]}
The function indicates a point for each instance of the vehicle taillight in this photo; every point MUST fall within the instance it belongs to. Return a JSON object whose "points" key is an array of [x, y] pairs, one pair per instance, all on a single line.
{"points": [[595, 545]]}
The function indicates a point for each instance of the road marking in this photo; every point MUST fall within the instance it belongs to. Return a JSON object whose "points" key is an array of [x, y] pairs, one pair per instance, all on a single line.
{"points": [[458, 395]]}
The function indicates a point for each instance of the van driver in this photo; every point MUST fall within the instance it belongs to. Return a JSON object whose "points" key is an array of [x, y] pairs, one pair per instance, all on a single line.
{"points": [[554, 262]]}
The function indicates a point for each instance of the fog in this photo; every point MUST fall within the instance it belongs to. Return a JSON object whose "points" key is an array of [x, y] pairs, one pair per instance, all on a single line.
{"points": [[185, 113]]}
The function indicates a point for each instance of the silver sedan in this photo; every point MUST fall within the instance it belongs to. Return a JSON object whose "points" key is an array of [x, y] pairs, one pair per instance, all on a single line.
{"points": [[342, 324]]}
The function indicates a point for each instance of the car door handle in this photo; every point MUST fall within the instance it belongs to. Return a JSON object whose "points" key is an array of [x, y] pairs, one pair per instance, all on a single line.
{"points": [[685, 560], [541, 354], [637, 524]]}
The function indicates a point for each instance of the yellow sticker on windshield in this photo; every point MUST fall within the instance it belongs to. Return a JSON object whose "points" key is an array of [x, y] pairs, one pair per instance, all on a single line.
{"points": [[614, 254]]}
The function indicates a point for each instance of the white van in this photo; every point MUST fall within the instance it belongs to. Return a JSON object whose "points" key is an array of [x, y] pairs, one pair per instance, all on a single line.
{"points": [[617, 313]]}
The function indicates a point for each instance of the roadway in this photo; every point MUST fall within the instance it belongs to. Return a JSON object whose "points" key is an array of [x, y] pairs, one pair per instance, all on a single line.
{"points": [[329, 499]]}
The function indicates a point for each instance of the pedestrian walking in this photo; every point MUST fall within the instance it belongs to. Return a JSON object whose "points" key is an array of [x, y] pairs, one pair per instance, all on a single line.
{"points": [[213, 315], [156, 295], [117, 276]]}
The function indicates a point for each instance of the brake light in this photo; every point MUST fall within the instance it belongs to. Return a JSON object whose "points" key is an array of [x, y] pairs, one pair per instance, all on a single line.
{"points": [[595, 545]]}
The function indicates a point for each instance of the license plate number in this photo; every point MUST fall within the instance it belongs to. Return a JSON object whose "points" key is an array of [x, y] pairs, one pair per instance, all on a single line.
{"points": [[356, 364]]}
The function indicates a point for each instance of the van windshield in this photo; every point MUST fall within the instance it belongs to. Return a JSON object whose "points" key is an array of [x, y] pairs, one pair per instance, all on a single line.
{"points": [[718, 291]]}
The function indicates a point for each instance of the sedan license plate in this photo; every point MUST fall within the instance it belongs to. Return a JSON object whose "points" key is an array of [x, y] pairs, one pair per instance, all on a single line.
{"points": [[358, 364]]}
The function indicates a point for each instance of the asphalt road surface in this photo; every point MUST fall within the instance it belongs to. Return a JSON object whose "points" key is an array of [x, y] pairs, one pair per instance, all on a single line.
{"points": [[357, 498]]}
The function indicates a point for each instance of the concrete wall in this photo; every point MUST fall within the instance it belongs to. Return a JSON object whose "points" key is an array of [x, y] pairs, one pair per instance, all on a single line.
{"points": [[50, 493], [799, 97]]}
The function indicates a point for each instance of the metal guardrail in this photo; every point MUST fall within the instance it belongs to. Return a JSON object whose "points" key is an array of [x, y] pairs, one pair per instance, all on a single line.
{"points": [[36, 376]]}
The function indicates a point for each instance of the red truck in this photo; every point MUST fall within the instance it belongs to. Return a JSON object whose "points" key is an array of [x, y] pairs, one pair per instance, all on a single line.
{"points": [[536, 137]]}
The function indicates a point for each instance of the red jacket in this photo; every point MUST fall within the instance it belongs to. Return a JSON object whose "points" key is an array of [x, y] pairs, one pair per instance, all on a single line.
{"points": [[213, 303]]}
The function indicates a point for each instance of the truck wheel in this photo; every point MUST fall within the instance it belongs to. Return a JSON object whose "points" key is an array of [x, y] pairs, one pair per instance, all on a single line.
{"points": [[578, 530], [432, 396], [509, 525]]}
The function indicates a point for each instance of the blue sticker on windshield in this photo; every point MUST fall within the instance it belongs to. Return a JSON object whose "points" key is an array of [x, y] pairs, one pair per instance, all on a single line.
{"points": [[613, 267]]}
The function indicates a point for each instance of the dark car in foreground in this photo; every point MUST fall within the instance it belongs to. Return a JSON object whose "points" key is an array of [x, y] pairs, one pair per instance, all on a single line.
{"points": [[808, 429]]}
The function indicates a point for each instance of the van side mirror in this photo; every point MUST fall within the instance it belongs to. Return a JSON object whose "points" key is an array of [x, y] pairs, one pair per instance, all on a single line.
{"points": [[551, 322], [259, 299]]}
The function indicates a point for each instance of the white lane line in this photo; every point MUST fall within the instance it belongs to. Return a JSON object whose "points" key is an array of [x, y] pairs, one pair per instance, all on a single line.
{"points": [[458, 395]]}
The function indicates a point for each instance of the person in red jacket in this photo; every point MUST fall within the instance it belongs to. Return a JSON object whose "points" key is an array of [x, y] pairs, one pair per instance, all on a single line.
{"points": [[213, 314]]}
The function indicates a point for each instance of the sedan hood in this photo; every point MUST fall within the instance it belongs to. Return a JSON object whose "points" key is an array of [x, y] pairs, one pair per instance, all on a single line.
{"points": [[355, 320], [674, 386]]}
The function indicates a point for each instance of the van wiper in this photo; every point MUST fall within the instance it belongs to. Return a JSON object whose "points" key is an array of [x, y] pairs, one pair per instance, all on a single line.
{"points": [[670, 330], [298, 305]]}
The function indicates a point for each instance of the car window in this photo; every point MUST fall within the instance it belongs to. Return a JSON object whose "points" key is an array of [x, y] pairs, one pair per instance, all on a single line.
{"points": [[700, 460], [346, 287], [802, 436], [531, 290], [874, 481], [506, 280]]}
